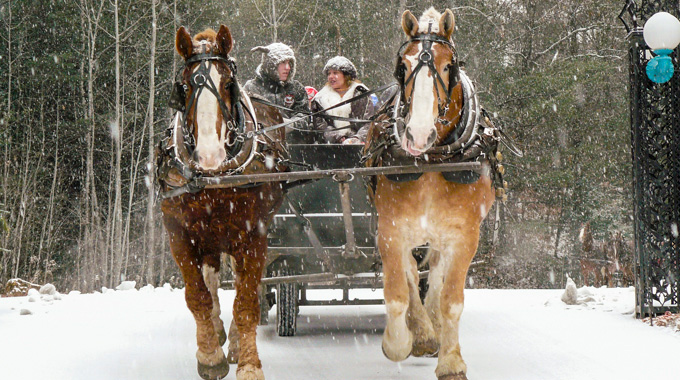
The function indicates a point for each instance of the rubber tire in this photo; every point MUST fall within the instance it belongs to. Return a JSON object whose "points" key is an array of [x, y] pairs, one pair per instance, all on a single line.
{"points": [[286, 306]]}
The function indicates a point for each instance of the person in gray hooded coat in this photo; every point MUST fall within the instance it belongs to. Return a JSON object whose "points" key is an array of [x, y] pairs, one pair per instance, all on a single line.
{"points": [[274, 81]]}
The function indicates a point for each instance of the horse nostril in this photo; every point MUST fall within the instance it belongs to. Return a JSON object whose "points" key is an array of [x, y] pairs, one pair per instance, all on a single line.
{"points": [[432, 137], [408, 134]]}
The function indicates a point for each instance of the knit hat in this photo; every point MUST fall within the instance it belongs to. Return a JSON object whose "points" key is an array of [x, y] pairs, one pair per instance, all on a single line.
{"points": [[272, 55], [341, 64]]}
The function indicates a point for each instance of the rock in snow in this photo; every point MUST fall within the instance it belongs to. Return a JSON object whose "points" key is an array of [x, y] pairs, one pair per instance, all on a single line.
{"points": [[570, 295], [48, 289], [126, 285]]}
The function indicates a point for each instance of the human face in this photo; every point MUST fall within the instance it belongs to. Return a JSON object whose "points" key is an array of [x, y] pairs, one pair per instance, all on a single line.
{"points": [[283, 69], [337, 80]]}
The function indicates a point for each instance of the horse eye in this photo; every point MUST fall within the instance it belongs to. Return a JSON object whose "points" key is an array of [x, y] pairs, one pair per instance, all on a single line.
{"points": [[446, 69]]}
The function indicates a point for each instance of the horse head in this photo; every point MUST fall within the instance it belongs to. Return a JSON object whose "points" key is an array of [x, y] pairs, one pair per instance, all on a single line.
{"points": [[213, 115], [428, 73]]}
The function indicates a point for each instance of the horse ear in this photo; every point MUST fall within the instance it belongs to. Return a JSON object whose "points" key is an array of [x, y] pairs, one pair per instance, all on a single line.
{"points": [[409, 23], [183, 43], [224, 41], [447, 23]]}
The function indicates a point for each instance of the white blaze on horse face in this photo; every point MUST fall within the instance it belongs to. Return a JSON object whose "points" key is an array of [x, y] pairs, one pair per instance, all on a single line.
{"points": [[210, 145], [420, 125]]}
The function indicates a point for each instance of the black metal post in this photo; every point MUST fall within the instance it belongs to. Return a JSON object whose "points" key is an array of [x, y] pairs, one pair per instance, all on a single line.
{"points": [[655, 138]]}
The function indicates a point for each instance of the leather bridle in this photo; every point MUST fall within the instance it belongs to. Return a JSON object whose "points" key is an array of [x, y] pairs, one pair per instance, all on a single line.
{"points": [[200, 80], [426, 59]]}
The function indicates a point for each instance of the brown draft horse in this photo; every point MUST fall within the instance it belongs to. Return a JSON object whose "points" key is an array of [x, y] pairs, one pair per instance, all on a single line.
{"points": [[431, 210], [204, 224]]}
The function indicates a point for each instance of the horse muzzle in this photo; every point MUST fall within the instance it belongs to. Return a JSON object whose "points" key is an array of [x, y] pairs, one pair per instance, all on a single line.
{"points": [[210, 159], [416, 142]]}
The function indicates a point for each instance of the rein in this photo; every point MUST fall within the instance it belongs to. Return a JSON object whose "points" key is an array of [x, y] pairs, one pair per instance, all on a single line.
{"points": [[332, 117], [320, 112]]}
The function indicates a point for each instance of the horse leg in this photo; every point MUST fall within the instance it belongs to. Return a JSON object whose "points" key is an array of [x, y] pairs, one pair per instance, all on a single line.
{"points": [[212, 364], [211, 276], [450, 365], [432, 298], [248, 272], [397, 339], [232, 351], [425, 341]]}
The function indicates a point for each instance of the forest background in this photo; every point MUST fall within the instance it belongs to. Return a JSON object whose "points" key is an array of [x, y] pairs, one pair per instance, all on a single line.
{"points": [[83, 101]]}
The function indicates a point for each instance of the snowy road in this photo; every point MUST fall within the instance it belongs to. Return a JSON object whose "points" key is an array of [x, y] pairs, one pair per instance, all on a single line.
{"points": [[505, 335]]}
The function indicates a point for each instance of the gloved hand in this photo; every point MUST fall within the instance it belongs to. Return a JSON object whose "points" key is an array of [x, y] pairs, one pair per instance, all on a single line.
{"points": [[352, 140]]}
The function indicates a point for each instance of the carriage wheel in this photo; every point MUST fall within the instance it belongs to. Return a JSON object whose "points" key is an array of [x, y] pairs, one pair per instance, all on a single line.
{"points": [[286, 306]]}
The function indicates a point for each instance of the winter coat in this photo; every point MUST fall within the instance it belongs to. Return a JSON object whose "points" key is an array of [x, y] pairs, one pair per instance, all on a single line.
{"points": [[290, 94], [359, 109]]}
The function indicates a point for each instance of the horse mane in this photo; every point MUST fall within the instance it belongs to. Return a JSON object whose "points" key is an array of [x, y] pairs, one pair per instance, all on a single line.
{"points": [[206, 35], [423, 22]]}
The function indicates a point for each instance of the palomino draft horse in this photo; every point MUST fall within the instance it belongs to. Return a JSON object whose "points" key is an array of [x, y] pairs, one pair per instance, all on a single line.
{"points": [[436, 118], [211, 137]]}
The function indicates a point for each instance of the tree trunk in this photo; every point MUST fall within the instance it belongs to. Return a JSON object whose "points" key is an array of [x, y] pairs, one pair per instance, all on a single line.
{"points": [[150, 222], [4, 237], [275, 26], [117, 136]]}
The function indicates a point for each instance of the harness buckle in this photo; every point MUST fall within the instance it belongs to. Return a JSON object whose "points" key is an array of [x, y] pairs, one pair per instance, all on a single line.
{"points": [[199, 79]]}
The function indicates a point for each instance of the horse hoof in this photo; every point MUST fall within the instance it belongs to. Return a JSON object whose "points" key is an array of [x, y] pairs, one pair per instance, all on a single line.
{"points": [[454, 376], [222, 337], [249, 372], [214, 372], [428, 348], [394, 358]]}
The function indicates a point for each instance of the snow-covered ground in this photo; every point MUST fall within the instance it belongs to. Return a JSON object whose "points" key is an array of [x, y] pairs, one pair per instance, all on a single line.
{"points": [[505, 335]]}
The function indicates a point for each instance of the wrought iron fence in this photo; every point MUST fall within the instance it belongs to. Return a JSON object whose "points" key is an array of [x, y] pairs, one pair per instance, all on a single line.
{"points": [[655, 137]]}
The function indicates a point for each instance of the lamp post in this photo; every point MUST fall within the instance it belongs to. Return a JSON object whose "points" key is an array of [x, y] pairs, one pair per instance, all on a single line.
{"points": [[662, 35], [655, 149]]}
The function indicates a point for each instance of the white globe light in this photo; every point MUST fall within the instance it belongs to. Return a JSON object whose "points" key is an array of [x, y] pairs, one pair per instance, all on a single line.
{"points": [[662, 31]]}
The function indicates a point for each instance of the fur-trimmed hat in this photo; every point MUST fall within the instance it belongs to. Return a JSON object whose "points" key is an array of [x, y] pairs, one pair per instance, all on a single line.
{"points": [[341, 64], [272, 55]]}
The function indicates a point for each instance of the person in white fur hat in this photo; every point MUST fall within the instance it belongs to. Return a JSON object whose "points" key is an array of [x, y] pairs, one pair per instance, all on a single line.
{"points": [[274, 81], [342, 84]]}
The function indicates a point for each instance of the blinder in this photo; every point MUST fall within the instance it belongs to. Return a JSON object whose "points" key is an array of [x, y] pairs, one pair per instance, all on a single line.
{"points": [[178, 95]]}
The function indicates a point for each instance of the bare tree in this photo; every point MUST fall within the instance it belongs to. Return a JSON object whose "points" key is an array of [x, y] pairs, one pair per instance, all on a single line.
{"points": [[93, 257], [274, 18], [117, 129], [150, 222]]}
